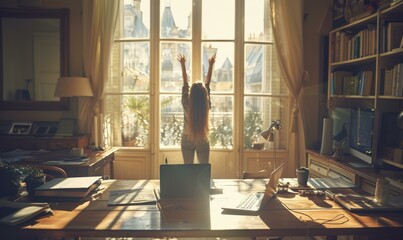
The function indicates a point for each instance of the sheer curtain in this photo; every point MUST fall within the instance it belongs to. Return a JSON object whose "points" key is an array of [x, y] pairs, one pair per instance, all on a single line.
{"points": [[99, 21], [287, 20]]}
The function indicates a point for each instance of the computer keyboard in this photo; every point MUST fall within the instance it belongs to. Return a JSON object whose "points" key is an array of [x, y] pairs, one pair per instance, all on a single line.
{"points": [[251, 201]]}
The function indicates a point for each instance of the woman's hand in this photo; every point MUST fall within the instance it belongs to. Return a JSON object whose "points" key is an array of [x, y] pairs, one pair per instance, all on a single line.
{"points": [[181, 58], [211, 60]]}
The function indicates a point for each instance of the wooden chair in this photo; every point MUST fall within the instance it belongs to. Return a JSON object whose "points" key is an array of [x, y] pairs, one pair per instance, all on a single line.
{"points": [[52, 171], [256, 175]]}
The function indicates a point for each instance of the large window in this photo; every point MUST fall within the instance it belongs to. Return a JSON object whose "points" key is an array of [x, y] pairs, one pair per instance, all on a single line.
{"points": [[143, 93]]}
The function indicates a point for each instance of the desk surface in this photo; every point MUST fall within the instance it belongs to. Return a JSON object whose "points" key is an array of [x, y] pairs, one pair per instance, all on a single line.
{"points": [[287, 215]]}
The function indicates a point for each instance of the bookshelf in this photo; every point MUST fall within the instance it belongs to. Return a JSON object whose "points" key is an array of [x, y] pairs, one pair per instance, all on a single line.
{"points": [[366, 71]]}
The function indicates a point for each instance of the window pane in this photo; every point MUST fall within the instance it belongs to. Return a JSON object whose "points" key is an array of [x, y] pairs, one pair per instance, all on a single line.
{"points": [[221, 122], [136, 19], [135, 120], [176, 19], [130, 69], [136, 66], [130, 119], [218, 19], [171, 121], [262, 73], [171, 71], [257, 21], [222, 79], [259, 112]]}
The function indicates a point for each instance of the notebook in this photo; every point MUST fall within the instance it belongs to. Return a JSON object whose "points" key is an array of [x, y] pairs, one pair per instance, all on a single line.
{"points": [[253, 202], [184, 181]]}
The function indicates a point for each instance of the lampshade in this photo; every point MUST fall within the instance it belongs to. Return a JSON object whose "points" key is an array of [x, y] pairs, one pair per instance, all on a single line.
{"points": [[73, 87], [268, 134]]}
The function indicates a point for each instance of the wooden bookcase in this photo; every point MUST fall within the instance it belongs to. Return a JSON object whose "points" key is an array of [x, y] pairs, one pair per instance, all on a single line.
{"points": [[362, 56]]}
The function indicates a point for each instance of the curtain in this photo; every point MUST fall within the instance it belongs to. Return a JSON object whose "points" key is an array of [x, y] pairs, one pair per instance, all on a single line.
{"points": [[287, 20], [99, 21]]}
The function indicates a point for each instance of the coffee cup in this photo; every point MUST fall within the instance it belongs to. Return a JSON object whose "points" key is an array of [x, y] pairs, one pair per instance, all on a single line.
{"points": [[77, 152], [302, 176], [382, 190]]}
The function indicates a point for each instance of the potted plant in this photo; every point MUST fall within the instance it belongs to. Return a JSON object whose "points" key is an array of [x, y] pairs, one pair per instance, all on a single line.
{"points": [[10, 180], [34, 177]]}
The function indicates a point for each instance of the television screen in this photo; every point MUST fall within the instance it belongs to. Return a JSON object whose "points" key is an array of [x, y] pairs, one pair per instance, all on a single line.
{"points": [[361, 125]]}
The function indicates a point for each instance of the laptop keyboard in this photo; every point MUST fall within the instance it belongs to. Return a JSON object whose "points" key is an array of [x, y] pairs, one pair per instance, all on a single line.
{"points": [[251, 201]]}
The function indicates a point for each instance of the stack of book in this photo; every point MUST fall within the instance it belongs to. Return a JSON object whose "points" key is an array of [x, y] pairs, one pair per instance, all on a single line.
{"points": [[71, 188]]}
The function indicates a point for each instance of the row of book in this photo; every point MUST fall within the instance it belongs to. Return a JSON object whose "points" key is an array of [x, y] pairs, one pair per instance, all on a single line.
{"points": [[392, 81], [345, 83], [391, 36], [349, 45]]}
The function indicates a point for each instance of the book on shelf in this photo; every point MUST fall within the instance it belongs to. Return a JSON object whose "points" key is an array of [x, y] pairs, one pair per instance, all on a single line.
{"points": [[13, 213], [394, 33], [365, 83], [368, 84], [350, 85], [337, 79], [70, 187]]}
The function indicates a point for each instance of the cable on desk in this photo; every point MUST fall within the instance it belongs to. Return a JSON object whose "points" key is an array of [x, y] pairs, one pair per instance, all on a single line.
{"points": [[332, 220]]}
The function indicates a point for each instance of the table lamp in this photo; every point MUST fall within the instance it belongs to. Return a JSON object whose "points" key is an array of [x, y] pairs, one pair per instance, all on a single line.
{"points": [[268, 134], [73, 87]]}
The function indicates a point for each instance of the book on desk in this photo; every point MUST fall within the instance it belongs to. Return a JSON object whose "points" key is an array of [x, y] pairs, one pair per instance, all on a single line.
{"points": [[13, 213], [70, 187]]}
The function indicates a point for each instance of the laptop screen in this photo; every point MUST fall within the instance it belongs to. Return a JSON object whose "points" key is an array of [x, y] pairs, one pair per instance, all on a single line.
{"points": [[184, 180]]}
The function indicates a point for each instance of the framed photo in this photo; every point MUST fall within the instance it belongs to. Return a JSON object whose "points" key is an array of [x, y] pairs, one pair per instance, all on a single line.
{"points": [[339, 18], [44, 129], [20, 128], [357, 9]]}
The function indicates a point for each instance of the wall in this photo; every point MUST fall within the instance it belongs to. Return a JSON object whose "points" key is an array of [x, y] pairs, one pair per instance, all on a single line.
{"points": [[75, 56], [317, 23]]}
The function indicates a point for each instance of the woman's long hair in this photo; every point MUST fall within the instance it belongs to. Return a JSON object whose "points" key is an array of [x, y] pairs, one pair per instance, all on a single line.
{"points": [[198, 113]]}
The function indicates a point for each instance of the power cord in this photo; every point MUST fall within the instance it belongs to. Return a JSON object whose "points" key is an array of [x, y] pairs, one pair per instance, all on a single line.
{"points": [[334, 220]]}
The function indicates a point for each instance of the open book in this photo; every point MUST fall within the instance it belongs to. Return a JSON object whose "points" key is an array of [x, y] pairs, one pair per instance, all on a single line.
{"points": [[13, 213]]}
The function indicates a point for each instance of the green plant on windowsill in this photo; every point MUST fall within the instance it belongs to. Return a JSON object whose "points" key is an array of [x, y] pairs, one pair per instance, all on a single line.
{"points": [[34, 177]]}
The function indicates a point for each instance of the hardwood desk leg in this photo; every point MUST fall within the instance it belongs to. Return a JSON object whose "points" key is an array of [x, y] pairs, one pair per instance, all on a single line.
{"points": [[112, 168]]}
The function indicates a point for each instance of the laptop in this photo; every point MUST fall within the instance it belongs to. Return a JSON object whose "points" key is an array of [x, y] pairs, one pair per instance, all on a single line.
{"points": [[184, 181], [254, 202]]}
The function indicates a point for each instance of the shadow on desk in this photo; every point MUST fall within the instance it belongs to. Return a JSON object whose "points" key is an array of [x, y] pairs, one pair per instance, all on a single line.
{"points": [[297, 222]]}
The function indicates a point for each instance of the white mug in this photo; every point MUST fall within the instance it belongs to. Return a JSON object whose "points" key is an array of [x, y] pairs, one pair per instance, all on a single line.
{"points": [[382, 190], [77, 152]]}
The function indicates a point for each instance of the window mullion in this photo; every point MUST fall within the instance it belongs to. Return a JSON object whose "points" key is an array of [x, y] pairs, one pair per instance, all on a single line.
{"points": [[196, 39], [238, 74]]}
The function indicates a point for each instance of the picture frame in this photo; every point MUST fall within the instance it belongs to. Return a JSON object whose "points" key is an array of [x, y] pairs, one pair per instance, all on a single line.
{"points": [[20, 128], [44, 129], [357, 9], [339, 18], [66, 127]]}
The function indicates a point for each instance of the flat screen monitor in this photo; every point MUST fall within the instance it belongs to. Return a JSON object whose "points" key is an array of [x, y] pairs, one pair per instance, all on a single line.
{"points": [[361, 125]]}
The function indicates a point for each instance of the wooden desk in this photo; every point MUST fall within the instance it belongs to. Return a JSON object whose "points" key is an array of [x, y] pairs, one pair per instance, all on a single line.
{"points": [[94, 166], [285, 215]]}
